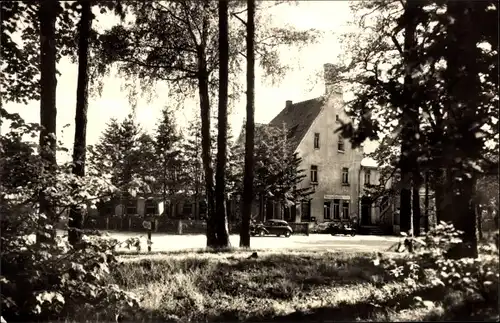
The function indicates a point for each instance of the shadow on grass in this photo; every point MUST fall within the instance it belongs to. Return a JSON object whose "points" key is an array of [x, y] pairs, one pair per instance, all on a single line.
{"points": [[224, 287], [369, 309], [235, 275]]}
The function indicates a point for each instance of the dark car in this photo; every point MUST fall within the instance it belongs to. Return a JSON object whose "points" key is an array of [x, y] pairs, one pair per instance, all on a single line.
{"points": [[341, 228], [271, 227]]}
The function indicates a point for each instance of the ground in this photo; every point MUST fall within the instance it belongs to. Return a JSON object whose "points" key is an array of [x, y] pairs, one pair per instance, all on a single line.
{"points": [[359, 243]]}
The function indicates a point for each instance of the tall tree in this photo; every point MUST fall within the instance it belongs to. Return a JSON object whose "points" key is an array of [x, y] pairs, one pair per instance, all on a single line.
{"points": [[249, 128], [48, 84], [277, 171], [468, 94], [220, 225], [156, 48], [409, 115], [115, 154], [168, 152], [455, 126], [75, 222]]}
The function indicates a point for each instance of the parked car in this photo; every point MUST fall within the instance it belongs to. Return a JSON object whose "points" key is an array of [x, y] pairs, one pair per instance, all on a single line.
{"points": [[271, 227], [341, 228]]}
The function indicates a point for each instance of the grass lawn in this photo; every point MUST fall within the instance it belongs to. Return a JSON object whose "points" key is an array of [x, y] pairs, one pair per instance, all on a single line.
{"points": [[276, 286]]}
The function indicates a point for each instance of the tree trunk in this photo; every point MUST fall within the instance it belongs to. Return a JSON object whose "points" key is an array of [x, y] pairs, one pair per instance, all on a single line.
{"points": [[409, 116], [462, 76], [426, 203], [479, 217], [439, 194], [416, 204], [77, 213], [206, 158], [249, 130], [48, 110], [206, 155], [220, 178]]}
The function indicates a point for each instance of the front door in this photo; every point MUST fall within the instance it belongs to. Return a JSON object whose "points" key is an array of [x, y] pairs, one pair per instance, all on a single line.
{"points": [[366, 211]]}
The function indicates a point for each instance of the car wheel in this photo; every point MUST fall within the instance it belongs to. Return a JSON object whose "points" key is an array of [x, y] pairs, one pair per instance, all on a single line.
{"points": [[261, 233], [287, 234], [353, 234], [278, 235]]}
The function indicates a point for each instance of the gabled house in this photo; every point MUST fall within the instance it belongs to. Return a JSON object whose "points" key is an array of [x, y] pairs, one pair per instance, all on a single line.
{"points": [[332, 164], [335, 170]]}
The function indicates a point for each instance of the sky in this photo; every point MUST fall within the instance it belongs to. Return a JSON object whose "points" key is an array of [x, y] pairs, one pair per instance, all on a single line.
{"points": [[304, 82]]}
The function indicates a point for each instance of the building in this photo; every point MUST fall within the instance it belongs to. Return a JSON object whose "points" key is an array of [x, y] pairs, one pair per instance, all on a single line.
{"points": [[336, 171]]}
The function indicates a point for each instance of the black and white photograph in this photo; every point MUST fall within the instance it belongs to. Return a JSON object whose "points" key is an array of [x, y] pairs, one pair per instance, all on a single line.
{"points": [[249, 161]]}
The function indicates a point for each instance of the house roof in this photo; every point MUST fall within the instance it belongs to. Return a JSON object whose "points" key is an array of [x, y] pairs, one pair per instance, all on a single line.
{"points": [[298, 118], [241, 139]]}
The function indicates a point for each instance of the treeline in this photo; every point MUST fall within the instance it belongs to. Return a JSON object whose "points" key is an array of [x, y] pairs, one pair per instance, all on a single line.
{"points": [[167, 162], [425, 81]]}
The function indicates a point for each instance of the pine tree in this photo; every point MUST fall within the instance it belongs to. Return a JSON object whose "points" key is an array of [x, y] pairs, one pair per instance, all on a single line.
{"points": [[192, 173], [277, 167], [170, 181], [116, 153]]}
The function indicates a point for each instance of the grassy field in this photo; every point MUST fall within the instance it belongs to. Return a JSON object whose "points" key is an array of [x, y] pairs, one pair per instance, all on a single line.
{"points": [[276, 286]]}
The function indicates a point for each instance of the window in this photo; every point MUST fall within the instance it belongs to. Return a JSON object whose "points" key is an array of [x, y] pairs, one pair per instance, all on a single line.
{"points": [[337, 117], [367, 177], [345, 176], [132, 207], [150, 207], [314, 174], [292, 131], [187, 209], [336, 209], [345, 209], [316, 141], [326, 210], [340, 144], [306, 211]]}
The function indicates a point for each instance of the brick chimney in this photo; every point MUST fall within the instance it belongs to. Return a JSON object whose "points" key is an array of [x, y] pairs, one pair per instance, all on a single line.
{"points": [[288, 103], [331, 79]]}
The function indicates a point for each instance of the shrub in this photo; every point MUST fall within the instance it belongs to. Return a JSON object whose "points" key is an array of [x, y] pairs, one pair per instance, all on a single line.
{"points": [[49, 279], [429, 264], [41, 281]]}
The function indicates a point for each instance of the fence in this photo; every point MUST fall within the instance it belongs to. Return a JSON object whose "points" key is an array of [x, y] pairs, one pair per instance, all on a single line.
{"points": [[163, 225]]}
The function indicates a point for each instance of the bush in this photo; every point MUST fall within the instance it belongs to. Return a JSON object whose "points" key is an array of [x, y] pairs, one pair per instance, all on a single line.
{"points": [[47, 279], [429, 264]]}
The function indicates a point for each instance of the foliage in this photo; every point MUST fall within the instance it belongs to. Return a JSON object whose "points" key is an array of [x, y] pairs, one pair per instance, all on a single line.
{"points": [[277, 171], [168, 162], [42, 280], [191, 157], [20, 50], [455, 128], [122, 153], [430, 263], [167, 41]]}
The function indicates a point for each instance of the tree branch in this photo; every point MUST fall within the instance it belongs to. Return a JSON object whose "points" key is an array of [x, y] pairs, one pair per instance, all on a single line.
{"points": [[398, 46], [240, 19]]}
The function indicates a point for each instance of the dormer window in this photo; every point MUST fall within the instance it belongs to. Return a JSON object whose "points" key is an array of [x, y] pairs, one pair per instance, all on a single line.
{"points": [[316, 141]]}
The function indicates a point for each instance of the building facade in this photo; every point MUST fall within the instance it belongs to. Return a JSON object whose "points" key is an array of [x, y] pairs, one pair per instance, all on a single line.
{"points": [[332, 165]]}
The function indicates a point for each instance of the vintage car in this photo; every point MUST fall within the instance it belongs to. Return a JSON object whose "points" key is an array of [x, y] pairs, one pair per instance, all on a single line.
{"points": [[341, 228], [271, 227]]}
